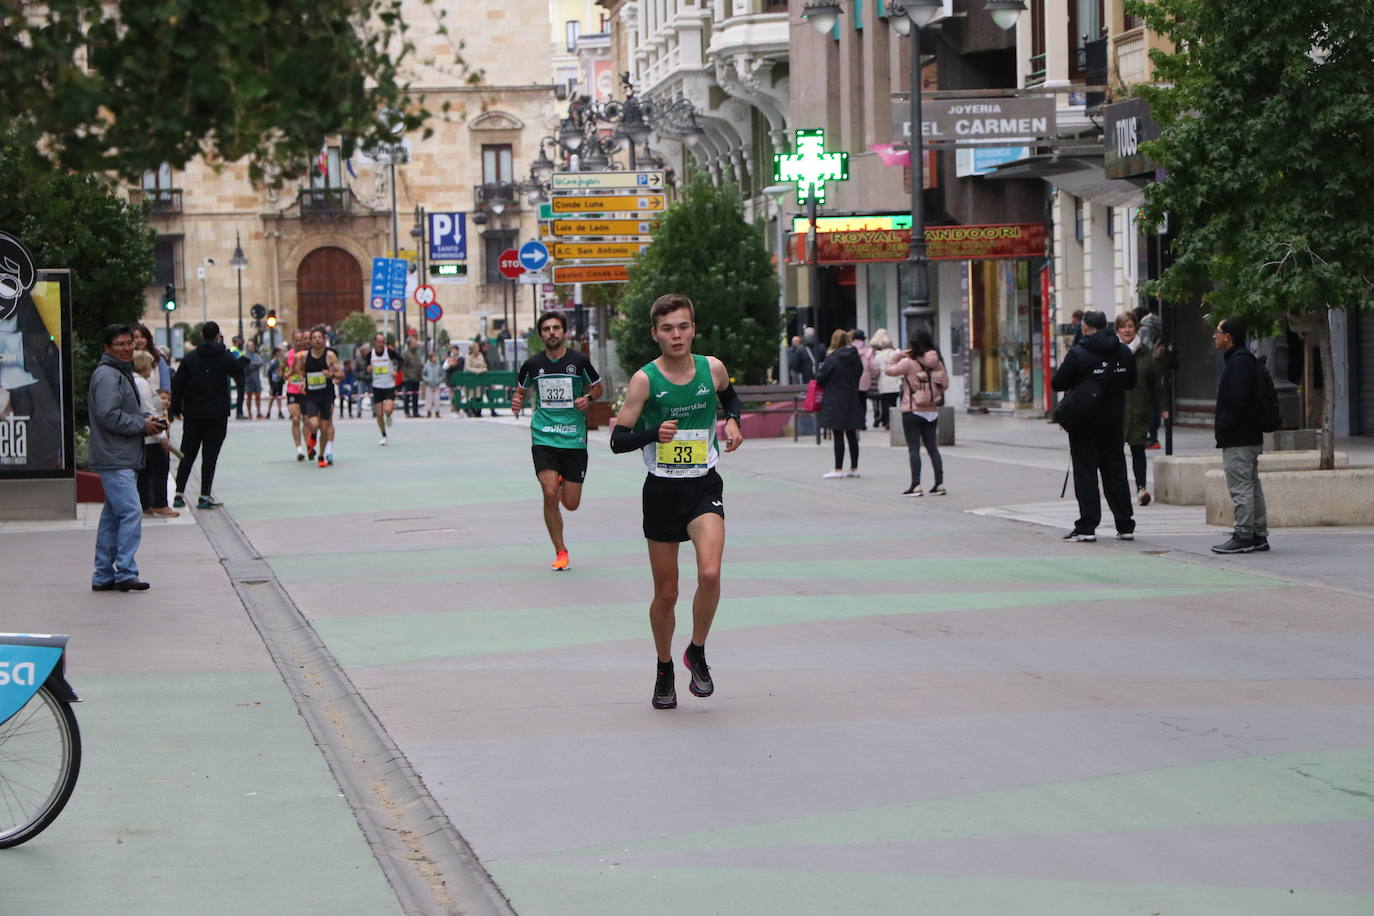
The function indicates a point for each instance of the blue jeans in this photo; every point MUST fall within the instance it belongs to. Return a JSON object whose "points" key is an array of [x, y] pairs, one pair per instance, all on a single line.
{"points": [[120, 531]]}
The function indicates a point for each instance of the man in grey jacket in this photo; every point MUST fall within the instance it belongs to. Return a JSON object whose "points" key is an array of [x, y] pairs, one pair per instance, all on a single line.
{"points": [[118, 426]]}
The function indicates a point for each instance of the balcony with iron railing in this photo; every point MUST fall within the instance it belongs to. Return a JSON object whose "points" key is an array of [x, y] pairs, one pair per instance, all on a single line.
{"points": [[325, 203], [1035, 75], [1132, 59], [160, 201]]}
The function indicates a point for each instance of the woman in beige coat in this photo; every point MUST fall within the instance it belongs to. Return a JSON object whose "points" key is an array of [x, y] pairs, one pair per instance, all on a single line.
{"points": [[924, 381]]}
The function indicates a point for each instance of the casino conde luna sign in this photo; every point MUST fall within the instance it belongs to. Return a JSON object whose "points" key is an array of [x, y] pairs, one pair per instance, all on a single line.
{"points": [[943, 243]]}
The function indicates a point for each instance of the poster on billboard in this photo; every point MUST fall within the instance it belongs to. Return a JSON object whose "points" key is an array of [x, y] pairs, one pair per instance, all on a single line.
{"points": [[36, 416]]}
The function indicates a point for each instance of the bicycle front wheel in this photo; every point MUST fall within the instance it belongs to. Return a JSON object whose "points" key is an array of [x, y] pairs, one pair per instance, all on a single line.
{"points": [[40, 756]]}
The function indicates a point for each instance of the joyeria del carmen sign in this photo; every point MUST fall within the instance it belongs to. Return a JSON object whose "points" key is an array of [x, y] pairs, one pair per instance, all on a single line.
{"points": [[943, 243]]}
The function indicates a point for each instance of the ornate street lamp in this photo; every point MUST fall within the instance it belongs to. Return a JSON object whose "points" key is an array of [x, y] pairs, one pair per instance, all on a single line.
{"points": [[823, 16], [240, 264], [1005, 12]]}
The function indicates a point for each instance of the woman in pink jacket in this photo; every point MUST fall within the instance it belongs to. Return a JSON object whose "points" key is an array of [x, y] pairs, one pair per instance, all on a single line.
{"points": [[924, 381]]}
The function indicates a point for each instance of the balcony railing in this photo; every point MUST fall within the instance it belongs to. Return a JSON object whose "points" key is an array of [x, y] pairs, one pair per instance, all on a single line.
{"points": [[160, 201], [325, 203], [1131, 58], [1035, 75]]}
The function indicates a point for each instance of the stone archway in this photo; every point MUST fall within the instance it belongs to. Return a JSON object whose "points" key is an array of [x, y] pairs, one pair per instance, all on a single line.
{"points": [[329, 286]]}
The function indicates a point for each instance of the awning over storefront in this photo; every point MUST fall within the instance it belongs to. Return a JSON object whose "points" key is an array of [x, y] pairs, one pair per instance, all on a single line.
{"points": [[1081, 174]]}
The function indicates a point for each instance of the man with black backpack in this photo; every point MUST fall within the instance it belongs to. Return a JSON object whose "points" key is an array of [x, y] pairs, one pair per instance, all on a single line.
{"points": [[1243, 413], [1096, 373]]}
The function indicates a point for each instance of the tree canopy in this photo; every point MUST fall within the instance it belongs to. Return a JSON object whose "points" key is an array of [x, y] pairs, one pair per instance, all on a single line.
{"points": [[123, 87], [1266, 131], [705, 250]]}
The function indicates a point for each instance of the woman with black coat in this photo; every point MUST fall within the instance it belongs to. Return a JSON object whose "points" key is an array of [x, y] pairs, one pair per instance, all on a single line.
{"points": [[842, 410]]}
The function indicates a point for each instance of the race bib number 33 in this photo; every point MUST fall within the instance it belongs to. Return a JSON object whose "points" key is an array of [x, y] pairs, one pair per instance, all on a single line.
{"points": [[687, 450]]}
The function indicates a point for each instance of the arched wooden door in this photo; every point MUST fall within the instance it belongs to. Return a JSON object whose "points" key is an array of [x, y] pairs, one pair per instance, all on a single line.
{"points": [[329, 286]]}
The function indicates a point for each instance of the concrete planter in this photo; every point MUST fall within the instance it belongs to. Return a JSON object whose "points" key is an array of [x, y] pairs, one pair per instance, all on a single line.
{"points": [[1302, 499], [1181, 480], [944, 429]]}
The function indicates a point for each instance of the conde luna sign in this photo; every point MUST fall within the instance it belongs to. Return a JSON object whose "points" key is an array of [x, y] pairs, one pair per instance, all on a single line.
{"points": [[974, 121]]}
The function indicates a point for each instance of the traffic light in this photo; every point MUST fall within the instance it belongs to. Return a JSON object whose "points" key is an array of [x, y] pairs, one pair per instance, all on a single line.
{"points": [[258, 311], [272, 318], [169, 298]]}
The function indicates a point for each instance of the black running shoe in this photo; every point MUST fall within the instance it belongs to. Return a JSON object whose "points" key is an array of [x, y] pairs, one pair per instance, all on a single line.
{"points": [[665, 691], [1237, 544], [695, 660]]}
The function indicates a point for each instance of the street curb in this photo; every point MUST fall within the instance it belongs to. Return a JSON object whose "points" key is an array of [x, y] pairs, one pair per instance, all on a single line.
{"points": [[429, 865]]}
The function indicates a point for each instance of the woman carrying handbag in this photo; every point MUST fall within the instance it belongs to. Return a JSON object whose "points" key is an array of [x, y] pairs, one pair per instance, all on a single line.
{"points": [[924, 381]]}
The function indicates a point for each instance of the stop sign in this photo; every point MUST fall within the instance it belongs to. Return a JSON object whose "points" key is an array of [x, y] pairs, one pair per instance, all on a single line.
{"points": [[510, 265]]}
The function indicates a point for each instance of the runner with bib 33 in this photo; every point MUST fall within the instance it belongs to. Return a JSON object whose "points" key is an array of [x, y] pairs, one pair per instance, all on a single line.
{"points": [[564, 383], [670, 416]]}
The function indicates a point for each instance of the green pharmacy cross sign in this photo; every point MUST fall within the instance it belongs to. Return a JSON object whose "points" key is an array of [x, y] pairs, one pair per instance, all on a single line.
{"points": [[810, 166]]}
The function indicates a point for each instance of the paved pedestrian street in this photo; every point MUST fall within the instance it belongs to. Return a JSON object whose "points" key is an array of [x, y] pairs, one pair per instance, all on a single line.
{"points": [[925, 706]]}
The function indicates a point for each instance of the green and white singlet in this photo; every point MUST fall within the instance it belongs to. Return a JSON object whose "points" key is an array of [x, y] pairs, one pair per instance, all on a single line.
{"points": [[693, 451], [554, 386]]}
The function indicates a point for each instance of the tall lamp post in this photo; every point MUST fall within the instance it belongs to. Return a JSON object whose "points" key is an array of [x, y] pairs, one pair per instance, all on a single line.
{"points": [[239, 263], [417, 232], [908, 18]]}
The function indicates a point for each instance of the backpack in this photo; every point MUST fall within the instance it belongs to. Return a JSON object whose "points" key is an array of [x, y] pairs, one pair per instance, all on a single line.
{"points": [[1077, 408], [1267, 399]]}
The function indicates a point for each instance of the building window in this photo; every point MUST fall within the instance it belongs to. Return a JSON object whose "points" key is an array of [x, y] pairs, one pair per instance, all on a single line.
{"points": [[495, 241], [1111, 222], [164, 260], [1036, 75], [1078, 219], [160, 180], [1086, 23], [496, 163], [1131, 21], [325, 170], [574, 31], [158, 192]]}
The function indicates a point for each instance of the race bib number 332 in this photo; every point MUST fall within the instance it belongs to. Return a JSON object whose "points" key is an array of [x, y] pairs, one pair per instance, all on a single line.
{"points": [[556, 392]]}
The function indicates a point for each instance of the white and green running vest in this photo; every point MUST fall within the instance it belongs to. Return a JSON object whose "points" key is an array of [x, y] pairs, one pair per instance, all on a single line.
{"points": [[693, 451]]}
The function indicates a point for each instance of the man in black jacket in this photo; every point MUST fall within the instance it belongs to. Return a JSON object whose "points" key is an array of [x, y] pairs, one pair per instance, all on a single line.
{"points": [[200, 397], [1096, 446], [1240, 438]]}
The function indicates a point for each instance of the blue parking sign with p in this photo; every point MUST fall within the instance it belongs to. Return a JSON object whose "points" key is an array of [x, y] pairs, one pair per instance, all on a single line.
{"points": [[448, 237]]}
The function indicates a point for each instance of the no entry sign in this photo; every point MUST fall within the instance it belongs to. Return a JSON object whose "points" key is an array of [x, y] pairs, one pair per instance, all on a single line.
{"points": [[510, 265]]}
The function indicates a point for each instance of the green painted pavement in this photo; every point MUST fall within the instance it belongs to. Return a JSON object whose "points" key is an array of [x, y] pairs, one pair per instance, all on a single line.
{"points": [[200, 794], [1307, 787], [396, 638], [608, 890]]}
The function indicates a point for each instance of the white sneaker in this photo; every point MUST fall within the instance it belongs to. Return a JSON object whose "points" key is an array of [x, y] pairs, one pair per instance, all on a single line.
{"points": [[382, 441], [832, 475], [851, 473]]}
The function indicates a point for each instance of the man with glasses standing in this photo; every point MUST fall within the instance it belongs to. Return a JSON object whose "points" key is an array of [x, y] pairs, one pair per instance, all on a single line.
{"points": [[1240, 438]]}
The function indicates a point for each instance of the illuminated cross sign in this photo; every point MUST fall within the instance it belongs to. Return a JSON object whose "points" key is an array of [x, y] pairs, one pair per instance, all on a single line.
{"points": [[810, 166]]}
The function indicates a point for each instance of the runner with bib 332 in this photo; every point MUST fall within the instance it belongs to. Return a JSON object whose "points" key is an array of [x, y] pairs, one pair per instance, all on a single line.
{"points": [[670, 416]]}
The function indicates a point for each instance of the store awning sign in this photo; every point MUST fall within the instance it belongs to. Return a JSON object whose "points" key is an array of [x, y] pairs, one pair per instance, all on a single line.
{"points": [[943, 243], [1126, 125], [970, 122]]}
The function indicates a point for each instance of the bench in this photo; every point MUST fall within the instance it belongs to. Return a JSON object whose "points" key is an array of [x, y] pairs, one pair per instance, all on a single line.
{"points": [[478, 391], [774, 400]]}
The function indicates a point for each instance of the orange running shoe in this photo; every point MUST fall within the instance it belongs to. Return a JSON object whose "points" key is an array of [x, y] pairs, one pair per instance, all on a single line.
{"points": [[560, 562], [322, 463]]}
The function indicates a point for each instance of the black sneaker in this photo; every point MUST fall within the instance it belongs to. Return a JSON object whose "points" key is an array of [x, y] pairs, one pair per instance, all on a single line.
{"points": [[131, 585], [665, 690], [1261, 544], [102, 586], [1237, 544], [695, 660], [1125, 535], [1085, 538], [179, 501]]}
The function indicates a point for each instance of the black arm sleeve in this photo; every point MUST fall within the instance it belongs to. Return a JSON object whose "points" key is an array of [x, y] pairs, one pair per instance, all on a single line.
{"points": [[624, 439], [730, 402]]}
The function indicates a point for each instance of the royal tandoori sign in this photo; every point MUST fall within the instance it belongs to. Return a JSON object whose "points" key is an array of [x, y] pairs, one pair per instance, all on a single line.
{"points": [[943, 243]]}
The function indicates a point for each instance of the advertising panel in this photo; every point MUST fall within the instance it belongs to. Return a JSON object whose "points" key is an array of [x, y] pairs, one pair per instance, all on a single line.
{"points": [[36, 410], [943, 243]]}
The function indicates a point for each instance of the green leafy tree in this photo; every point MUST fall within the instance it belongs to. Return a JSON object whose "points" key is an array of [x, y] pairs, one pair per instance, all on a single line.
{"points": [[1266, 132], [705, 250], [126, 86], [74, 222], [355, 328]]}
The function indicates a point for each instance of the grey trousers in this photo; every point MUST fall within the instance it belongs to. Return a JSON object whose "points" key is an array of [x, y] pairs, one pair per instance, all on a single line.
{"points": [[1247, 496]]}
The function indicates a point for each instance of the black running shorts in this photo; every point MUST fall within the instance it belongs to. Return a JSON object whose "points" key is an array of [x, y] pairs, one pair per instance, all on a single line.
{"points": [[318, 407], [671, 503], [295, 398], [570, 462], [383, 394]]}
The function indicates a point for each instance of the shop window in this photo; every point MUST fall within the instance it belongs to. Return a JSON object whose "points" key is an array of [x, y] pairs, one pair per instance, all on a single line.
{"points": [[1078, 219]]}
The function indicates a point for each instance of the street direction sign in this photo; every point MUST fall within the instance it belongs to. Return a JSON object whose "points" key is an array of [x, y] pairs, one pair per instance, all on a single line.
{"points": [[388, 283], [424, 294], [610, 203], [533, 255], [534, 277], [574, 251], [448, 236], [575, 228], [509, 264], [591, 273], [651, 180], [434, 311]]}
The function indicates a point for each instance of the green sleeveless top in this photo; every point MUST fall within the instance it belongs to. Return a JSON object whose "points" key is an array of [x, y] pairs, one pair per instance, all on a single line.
{"points": [[693, 451]]}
